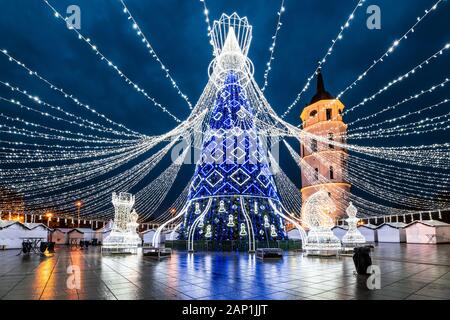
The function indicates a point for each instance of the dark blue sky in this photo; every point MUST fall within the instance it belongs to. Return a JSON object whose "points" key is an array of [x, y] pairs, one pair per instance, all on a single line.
{"points": [[177, 31]]}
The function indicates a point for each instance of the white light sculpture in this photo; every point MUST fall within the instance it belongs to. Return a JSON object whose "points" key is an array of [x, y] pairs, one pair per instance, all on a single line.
{"points": [[353, 236], [315, 215], [123, 237]]}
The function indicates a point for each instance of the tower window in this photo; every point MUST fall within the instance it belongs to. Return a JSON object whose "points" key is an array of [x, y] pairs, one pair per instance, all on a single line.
{"points": [[313, 113], [329, 113], [331, 138], [331, 173], [314, 145], [316, 173], [340, 112]]}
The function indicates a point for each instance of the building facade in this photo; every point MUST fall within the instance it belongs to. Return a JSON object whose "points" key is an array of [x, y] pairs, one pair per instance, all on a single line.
{"points": [[324, 161]]}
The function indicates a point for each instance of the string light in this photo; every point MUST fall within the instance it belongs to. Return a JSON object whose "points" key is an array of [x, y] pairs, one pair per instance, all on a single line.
{"points": [[395, 119], [64, 93], [400, 78], [405, 100], [28, 123], [390, 50], [206, 14], [91, 125], [152, 52], [110, 64], [272, 46], [91, 166], [339, 37]]}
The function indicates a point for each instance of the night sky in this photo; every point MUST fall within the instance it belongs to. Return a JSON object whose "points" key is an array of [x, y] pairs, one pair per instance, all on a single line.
{"points": [[177, 31]]}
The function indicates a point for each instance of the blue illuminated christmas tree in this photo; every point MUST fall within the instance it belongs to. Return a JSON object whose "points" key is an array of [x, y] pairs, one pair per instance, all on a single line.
{"points": [[232, 187]]}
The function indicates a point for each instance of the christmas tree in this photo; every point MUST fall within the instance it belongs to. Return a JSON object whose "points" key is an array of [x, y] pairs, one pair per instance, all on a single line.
{"points": [[232, 184]]}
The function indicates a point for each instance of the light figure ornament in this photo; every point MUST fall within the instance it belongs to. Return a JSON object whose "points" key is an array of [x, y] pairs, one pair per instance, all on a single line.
{"points": [[230, 221], [222, 206], [123, 237], [353, 236], [197, 208], [316, 216], [208, 231], [273, 232], [243, 232], [266, 222]]}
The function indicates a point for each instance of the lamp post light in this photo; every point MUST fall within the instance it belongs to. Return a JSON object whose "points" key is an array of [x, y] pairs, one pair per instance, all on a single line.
{"points": [[49, 216], [78, 204]]}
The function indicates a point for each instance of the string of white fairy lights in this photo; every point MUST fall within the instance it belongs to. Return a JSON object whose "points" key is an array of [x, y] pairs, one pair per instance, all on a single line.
{"points": [[184, 126], [110, 64], [153, 53], [396, 119], [389, 185], [89, 124], [31, 173], [431, 156], [402, 77], [207, 20], [339, 37], [61, 153], [391, 48], [29, 123], [110, 182], [176, 206], [412, 128], [155, 192], [433, 177], [19, 155], [357, 176], [96, 196], [99, 162], [415, 154], [290, 194], [396, 154], [63, 92], [53, 182], [317, 181], [272, 46], [123, 181], [13, 130], [422, 92]]}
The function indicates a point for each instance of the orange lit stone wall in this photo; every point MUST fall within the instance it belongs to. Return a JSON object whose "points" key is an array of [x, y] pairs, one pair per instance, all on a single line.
{"points": [[323, 118]]}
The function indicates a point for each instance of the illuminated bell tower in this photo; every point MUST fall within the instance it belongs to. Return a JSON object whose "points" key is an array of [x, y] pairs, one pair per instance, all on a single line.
{"points": [[324, 164]]}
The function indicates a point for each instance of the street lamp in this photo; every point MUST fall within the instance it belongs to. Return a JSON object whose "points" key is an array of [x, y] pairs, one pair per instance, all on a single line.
{"points": [[78, 204], [49, 215]]}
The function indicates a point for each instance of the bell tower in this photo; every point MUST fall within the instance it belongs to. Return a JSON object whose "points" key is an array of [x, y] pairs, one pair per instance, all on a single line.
{"points": [[323, 163]]}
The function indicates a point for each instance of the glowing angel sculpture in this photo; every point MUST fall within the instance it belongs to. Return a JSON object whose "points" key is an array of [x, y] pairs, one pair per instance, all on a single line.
{"points": [[316, 217], [353, 236]]}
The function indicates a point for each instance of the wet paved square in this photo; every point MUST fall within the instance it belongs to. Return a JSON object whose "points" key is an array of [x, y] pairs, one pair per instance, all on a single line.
{"points": [[407, 272]]}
